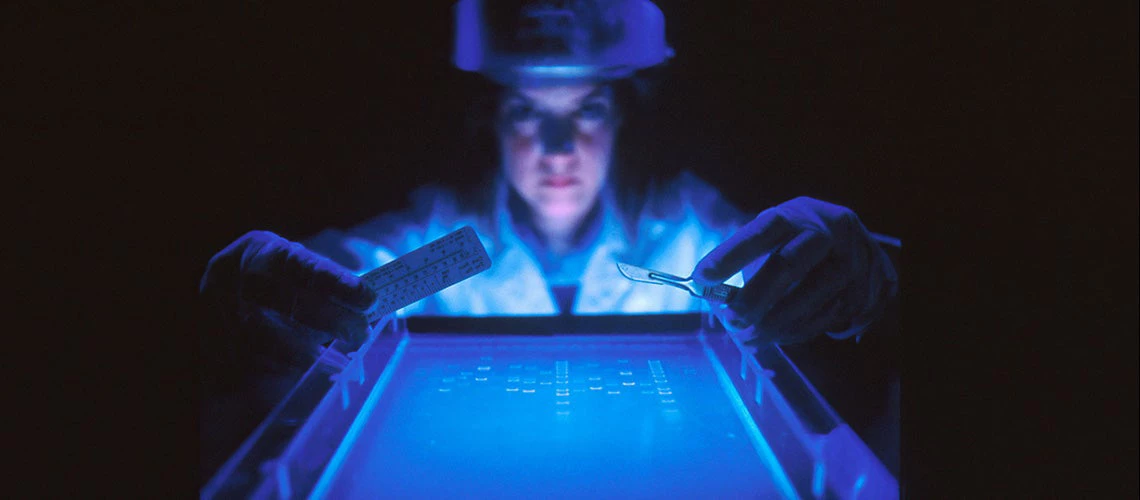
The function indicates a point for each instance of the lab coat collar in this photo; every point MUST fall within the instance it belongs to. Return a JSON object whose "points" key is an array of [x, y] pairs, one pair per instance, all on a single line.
{"points": [[601, 285]]}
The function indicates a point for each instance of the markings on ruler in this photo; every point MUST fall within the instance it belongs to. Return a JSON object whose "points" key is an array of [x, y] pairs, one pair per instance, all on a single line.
{"points": [[426, 270]]}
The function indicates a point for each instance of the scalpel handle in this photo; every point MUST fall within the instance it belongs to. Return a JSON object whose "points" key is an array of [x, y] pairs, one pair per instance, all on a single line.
{"points": [[721, 293]]}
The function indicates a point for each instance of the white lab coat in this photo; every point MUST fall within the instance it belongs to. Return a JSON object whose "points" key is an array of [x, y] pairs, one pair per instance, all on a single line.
{"points": [[680, 222]]}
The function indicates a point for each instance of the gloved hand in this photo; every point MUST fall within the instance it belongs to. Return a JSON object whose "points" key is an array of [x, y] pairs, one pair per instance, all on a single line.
{"points": [[279, 302], [809, 266]]}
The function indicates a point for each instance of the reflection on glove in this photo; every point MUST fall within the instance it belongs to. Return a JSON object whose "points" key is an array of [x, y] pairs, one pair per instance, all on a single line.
{"points": [[810, 267], [284, 300]]}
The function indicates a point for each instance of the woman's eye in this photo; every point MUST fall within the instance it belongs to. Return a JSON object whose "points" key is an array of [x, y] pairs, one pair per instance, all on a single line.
{"points": [[594, 111], [521, 113]]}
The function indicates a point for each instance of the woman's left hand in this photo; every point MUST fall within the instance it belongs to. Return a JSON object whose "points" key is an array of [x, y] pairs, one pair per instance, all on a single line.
{"points": [[810, 267]]}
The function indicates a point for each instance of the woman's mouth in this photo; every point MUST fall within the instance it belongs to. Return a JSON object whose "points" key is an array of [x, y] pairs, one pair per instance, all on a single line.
{"points": [[559, 181]]}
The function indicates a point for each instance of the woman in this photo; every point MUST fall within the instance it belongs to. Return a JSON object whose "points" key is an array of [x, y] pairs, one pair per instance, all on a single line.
{"points": [[562, 208], [554, 218]]}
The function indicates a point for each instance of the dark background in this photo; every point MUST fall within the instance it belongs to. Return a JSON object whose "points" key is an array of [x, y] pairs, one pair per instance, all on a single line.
{"points": [[1000, 143]]}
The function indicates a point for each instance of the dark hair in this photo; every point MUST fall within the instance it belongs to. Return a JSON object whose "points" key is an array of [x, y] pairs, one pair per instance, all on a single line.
{"points": [[638, 160]]}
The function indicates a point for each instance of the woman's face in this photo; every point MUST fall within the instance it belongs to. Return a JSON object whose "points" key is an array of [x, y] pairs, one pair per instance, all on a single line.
{"points": [[557, 144]]}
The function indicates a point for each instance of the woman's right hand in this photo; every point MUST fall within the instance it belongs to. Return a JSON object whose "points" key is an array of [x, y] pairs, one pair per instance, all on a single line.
{"points": [[279, 302]]}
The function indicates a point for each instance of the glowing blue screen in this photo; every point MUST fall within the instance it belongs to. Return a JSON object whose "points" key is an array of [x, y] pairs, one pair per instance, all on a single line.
{"points": [[525, 417]]}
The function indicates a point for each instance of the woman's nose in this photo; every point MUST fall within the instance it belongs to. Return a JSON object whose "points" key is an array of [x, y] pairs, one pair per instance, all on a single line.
{"points": [[557, 135]]}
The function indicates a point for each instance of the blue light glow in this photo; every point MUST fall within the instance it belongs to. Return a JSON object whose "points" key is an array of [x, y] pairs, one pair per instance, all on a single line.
{"points": [[361, 420], [583, 434], [817, 480], [750, 427], [858, 486], [559, 71]]}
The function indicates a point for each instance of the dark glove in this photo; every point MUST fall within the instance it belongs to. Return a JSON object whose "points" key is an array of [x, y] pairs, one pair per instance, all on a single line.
{"points": [[280, 302], [810, 267]]}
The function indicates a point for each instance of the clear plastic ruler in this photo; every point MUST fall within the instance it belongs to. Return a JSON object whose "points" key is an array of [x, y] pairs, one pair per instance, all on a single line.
{"points": [[426, 270]]}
